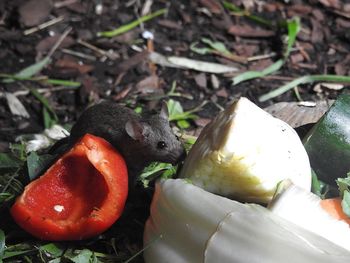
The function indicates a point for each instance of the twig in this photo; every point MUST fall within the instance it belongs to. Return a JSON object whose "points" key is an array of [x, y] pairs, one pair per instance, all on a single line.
{"points": [[100, 51], [43, 25], [59, 41], [78, 54], [42, 90], [270, 55], [65, 3]]}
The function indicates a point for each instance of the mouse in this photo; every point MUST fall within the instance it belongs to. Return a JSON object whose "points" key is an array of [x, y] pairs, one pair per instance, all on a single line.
{"points": [[139, 138]]}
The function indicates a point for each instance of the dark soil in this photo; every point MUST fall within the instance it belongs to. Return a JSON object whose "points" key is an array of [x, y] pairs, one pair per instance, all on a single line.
{"points": [[120, 70]]}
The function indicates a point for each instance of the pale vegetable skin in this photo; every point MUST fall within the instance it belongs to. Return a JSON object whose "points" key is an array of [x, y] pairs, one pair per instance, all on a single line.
{"points": [[244, 152], [188, 224], [303, 208]]}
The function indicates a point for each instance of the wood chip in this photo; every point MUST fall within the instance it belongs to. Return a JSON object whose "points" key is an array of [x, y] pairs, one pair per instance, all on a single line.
{"points": [[201, 80], [213, 5], [248, 31], [34, 12], [148, 84], [47, 43]]}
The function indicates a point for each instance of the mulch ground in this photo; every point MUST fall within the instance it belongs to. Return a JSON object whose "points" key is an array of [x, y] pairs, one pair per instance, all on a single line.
{"points": [[118, 68]]}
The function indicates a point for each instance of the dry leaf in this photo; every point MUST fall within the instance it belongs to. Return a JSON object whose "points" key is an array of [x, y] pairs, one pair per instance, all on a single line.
{"points": [[15, 105]]}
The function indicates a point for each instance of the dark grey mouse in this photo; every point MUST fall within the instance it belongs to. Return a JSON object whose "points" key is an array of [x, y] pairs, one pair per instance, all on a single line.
{"points": [[141, 139]]}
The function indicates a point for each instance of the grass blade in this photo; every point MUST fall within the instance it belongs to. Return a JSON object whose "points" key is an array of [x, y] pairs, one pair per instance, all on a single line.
{"points": [[303, 80], [258, 74], [62, 82], [231, 7], [293, 30], [133, 24], [2, 244], [44, 101]]}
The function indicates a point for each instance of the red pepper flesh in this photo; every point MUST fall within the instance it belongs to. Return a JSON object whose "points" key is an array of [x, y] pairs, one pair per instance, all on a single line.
{"points": [[81, 195]]}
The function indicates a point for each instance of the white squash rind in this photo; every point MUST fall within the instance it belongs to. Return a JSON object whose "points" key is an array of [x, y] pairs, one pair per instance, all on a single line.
{"points": [[188, 224]]}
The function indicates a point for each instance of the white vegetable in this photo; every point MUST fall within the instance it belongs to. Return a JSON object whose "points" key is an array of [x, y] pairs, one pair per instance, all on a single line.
{"points": [[188, 224], [303, 208], [244, 152]]}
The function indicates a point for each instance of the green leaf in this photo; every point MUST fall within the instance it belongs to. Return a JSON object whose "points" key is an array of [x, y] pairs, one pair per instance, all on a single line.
{"points": [[258, 74], [127, 27], [9, 162], [84, 256], [49, 121], [37, 164], [34, 69], [345, 203], [176, 112], [218, 46], [62, 82], [293, 30], [155, 170], [19, 151], [183, 124], [201, 51], [343, 184], [315, 184], [45, 103], [231, 7], [30, 70], [2, 244], [10, 254], [52, 249], [5, 197], [174, 108], [303, 80]]}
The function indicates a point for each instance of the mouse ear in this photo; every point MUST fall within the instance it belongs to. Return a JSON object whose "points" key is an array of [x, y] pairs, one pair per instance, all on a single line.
{"points": [[135, 130], [164, 112]]}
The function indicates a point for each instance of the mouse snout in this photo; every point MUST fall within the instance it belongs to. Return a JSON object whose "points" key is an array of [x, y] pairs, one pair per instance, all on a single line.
{"points": [[179, 156]]}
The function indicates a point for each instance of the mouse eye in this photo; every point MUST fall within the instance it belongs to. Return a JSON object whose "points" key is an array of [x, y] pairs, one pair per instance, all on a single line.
{"points": [[161, 145]]}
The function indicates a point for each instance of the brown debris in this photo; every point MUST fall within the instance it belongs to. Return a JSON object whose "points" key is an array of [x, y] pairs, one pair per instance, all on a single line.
{"points": [[213, 5], [72, 64], [169, 24], [317, 35], [133, 61], [222, 93], [331, 3], [47, 43], [148, 84], [201, 80], [34, 12], [248, 31]]}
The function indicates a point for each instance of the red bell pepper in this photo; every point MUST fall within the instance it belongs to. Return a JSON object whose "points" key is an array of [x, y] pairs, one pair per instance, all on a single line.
{"points": [[81, 195]]}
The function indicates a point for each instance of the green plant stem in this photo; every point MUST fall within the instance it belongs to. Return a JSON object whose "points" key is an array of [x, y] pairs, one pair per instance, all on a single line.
{"points": [[303, 80], [127, 27]]}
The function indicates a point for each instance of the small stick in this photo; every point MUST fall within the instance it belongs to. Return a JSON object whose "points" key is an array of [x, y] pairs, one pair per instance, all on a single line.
{"points": [[100, 51], [78, 54], [42, 90], [270, 55], [59, 41], [44, 25], [65, 3], [92, 47]]}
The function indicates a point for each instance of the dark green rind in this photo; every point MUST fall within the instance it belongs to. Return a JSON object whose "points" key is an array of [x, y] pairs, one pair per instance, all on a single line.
{"points": [[328, 143]]}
